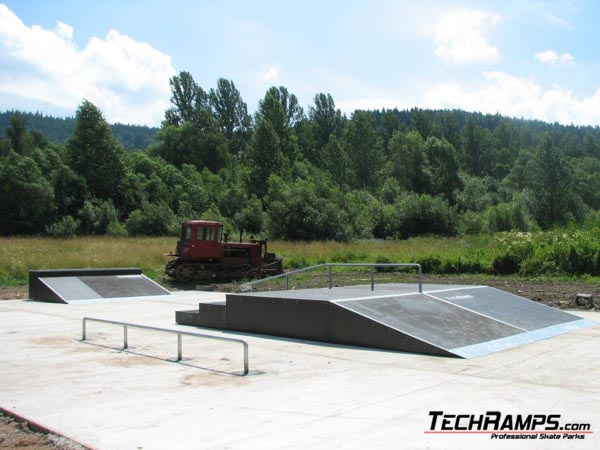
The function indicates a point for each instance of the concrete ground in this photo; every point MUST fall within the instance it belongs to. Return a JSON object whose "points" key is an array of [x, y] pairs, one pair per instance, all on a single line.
{"points": [[298, 394]]}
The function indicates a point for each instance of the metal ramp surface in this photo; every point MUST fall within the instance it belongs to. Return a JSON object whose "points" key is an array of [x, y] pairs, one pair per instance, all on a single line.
{"points": [[77, 286], [461, 321], [466, 322]]}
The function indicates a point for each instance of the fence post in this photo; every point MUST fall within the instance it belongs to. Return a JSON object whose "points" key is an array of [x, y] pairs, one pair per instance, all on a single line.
{"points": [[125, 340], [330, 280], [83, 336]]}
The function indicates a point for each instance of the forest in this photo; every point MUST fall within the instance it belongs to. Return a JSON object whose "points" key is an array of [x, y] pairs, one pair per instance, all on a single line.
{"points": [[292, 174]]}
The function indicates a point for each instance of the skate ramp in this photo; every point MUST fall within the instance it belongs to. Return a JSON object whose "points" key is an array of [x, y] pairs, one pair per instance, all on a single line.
{"points": [[77, 286], [460, 321]]}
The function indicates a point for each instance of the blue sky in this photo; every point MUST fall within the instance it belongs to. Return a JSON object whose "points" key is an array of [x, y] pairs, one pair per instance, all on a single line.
{"points": [[532, 59]]}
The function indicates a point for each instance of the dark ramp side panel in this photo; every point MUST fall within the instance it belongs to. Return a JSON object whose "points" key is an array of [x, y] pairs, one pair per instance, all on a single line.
{"points": [[517, 311], [429, 320], [295, 318]]}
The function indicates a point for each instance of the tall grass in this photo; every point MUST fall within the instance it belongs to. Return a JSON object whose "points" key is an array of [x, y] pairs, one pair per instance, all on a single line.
{"points": [[433, 252], [554, 253], [18, 254]]}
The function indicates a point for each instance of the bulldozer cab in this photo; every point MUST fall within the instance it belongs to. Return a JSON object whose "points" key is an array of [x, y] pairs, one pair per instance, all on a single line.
{"points": [[201, 239]]}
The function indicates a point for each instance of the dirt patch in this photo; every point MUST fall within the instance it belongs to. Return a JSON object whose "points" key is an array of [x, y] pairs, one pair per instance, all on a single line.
{"points": [[18, 433], [203, 378], [53, 341], [128, 360], [559, 294], [14, 292]]}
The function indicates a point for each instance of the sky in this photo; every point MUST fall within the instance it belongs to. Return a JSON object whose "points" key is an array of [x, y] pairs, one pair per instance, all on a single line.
{"points": [[531, 59]]}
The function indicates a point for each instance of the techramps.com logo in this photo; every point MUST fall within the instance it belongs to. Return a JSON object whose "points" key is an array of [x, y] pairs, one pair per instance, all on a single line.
{"points": [[507, 426]]}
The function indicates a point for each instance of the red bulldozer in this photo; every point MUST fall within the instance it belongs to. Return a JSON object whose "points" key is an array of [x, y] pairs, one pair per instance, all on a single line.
{"points": [[204, 254]]}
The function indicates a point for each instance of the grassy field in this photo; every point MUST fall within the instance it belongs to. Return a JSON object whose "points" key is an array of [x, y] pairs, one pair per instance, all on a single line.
{"points": [[463, 255], [18, 255]]}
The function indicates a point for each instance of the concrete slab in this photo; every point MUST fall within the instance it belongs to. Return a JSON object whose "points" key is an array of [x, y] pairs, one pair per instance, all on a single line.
{"points": [[299, 394]]}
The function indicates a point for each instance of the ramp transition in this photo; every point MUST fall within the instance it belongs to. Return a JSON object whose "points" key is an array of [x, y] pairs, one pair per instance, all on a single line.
{"points": [[461, 321], [76, 286]]}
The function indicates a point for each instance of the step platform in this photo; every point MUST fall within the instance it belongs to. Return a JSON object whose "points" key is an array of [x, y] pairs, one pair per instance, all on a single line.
{"points": [[444, 320], [88, 285]]}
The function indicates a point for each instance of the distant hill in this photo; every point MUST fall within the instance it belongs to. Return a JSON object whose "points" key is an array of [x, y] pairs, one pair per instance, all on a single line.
{"points": [[59, 130]]}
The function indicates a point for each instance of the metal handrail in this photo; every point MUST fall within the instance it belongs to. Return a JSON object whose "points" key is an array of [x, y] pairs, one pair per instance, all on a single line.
{"points": [[287, 275], [165, 330]]}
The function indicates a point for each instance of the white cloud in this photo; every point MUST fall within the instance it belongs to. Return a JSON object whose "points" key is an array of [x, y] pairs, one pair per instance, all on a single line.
{"points": [[128, 80], [553, 58], [64, 31], [459, 36], [268, 74], [518, 97]]}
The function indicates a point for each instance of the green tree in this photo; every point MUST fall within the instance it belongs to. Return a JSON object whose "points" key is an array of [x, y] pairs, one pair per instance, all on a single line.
{"points": [[472, 148], [282, 111], [325, 121], [231, 113], [335, 161], [365, 153], [189, 144], [251, 218], [26, 197], [421, 123], [94, 154], [19, 139], [264, 157], [442, 165], [190, 102], [551, 185], [305, 210], [587, 181], [408, 156], [445, 125], [390, 123]]}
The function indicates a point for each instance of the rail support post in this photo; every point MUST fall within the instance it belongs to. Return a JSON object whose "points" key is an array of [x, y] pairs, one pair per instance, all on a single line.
{"points": [[372, 278], [125, 339], [179, 349]]}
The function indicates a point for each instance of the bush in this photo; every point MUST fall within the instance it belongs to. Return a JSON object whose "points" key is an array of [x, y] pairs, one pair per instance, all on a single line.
{"points": [[423, 214], [517, 247], [64, 228], [557, 252], [96, 215], [116, 228], [511, 216], [472, 223], [152, 219]]}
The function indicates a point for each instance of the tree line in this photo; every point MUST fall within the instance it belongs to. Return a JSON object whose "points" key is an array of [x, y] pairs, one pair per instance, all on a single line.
{"points": [[287, 173], [59, 129]]}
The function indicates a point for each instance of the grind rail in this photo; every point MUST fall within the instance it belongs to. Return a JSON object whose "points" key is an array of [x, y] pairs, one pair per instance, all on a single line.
{"points": [[165, 330], [250, 285]]}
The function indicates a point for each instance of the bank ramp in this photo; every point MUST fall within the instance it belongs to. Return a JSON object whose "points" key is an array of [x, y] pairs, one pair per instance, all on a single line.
{"points": [[88, 285], [444, 320]]}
